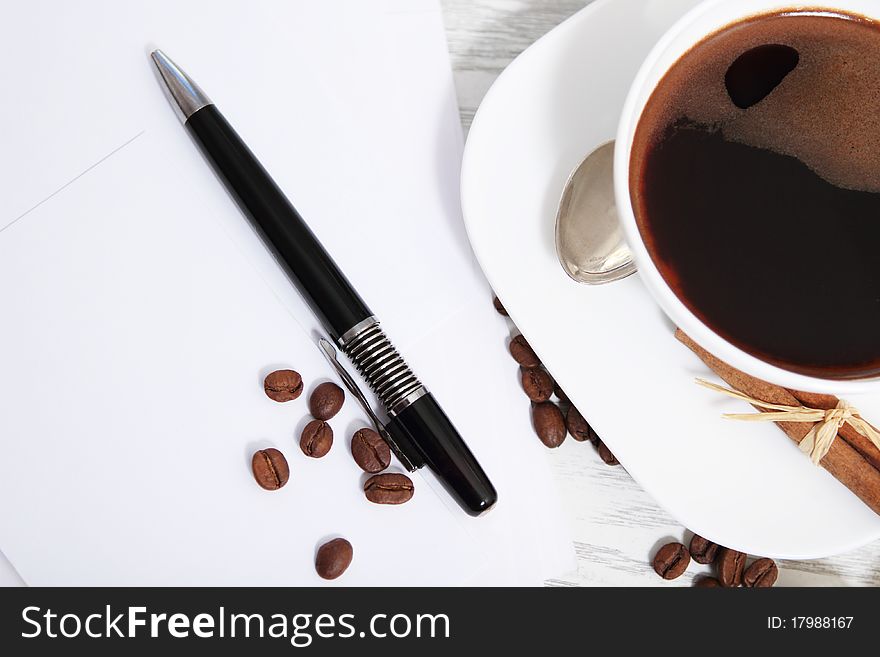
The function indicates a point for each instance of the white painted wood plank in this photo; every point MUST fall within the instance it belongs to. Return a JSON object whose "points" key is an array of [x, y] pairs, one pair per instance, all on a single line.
{"points": [[615, 524]]}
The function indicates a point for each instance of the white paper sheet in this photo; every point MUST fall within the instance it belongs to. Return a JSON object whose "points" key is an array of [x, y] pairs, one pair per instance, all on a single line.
{"points": [[140, 311]]}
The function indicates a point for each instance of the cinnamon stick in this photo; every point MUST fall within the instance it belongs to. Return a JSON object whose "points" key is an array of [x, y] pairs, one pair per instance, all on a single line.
{"points": [[843, 461]]}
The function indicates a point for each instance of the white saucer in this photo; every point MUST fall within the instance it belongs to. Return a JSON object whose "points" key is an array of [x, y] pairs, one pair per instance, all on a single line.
{"points": [[610, 348]]}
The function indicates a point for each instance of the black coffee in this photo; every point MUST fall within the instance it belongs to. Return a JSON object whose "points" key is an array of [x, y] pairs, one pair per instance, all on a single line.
{"points": [[756, 186]]}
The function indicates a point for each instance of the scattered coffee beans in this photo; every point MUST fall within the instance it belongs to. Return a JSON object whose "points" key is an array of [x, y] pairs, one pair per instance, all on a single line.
{"points": [[702, 550], [761, 574], [333, 558], [270, 468], [730, 570], [501, 310], [578, 427], [730, 565], [549, 424], [606, 455], [326, 400], [671, 560], [523, 353], [283, 385], [390, 488], [370, 451], [316, 439], [537, 383]]}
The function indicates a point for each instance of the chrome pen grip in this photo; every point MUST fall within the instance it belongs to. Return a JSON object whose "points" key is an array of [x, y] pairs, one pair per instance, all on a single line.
{"points": [[381, 366]]}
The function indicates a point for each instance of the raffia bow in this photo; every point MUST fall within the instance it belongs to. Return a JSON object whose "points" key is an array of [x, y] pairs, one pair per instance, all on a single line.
{"points": [[826, 422]]}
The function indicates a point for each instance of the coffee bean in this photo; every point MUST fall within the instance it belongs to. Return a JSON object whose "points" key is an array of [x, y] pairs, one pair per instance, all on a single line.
{"points": [[523, 353], [560, 394], [537, 383], [501, 310], [671, 560], [761, 574], [578, 427], [606, 455], [549, 424], [730, 565], [283, 385], [702, 550], [270, 468], [316, 439], [333, 558], [326, 400], [370, 451], [389, 488], [707, 583]]}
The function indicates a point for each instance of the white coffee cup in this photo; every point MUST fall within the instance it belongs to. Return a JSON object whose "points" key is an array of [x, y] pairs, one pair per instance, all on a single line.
{"points": [[702, 21]]}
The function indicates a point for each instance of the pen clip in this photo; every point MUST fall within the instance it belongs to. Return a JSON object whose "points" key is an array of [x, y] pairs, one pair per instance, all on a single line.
{"points": [[403, 449]]}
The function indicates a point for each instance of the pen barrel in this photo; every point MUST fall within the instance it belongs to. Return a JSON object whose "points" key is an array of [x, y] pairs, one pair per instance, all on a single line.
{"points": [[317, 277], [420, 427]]}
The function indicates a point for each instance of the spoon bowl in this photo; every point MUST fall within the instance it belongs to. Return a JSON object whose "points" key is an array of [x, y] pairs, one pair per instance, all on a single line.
{"points": [[589, 242]]}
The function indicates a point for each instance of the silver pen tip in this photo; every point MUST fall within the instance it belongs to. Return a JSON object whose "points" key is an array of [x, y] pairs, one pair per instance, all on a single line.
{"points": [[186, 96]]}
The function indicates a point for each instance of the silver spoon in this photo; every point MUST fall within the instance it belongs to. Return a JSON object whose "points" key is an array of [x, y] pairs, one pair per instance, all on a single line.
{"points": [[589, 242]]}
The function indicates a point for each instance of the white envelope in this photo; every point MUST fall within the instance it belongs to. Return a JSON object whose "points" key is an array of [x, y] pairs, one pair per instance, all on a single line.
{"points": [[141, 311]]}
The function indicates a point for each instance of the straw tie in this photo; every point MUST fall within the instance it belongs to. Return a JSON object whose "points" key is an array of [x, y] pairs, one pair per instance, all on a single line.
{"points": [[827, 423]]}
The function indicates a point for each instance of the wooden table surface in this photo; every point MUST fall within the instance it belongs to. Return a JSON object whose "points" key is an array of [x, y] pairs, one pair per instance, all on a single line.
{"points": [[616, 526]]}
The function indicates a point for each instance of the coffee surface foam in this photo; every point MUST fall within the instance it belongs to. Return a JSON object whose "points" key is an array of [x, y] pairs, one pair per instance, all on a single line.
{"points": [[826, 112]]}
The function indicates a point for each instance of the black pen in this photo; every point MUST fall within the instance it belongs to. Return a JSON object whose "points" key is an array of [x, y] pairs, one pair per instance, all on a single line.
{"points": [[419, 431]]}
